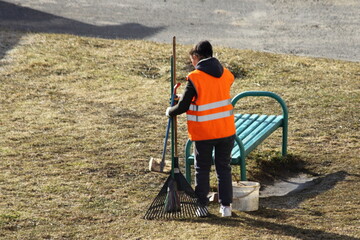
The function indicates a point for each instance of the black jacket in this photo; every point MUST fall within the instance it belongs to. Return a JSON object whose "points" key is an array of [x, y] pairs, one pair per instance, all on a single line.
{"points": [[211, 66]]}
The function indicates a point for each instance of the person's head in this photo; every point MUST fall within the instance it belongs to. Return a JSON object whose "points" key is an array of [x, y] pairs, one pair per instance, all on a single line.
{"points": [[200, 51]]}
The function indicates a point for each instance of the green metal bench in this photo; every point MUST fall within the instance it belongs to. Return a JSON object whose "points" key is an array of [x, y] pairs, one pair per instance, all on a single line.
{"points": [[251, 130]]}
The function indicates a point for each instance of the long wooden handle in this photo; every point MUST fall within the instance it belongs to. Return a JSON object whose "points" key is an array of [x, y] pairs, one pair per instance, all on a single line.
{"points": [[174, 59], [174, 83]]}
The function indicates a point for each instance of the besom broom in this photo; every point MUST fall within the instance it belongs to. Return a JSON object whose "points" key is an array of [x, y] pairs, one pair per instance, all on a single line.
{"points": [[176, 198]]}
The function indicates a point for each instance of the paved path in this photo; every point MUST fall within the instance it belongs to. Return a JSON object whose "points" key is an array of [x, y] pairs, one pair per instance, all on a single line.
{"points": [[320, 28]]}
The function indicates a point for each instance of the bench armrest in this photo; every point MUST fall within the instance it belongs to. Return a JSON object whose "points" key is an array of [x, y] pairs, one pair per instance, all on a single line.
{"points": [[262, 94]]}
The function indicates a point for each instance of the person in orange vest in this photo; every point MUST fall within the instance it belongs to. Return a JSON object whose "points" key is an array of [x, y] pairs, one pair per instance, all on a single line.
{"points": [[210, 120]]}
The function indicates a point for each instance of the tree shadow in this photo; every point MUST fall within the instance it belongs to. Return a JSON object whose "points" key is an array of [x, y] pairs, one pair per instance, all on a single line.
{"points": [[280, 229], [270, 169], [304, 191], [24, 19]]}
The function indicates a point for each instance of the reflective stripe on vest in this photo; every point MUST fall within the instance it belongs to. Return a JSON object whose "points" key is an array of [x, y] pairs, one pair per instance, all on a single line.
{"points": [[210, 116], [210, 105]]}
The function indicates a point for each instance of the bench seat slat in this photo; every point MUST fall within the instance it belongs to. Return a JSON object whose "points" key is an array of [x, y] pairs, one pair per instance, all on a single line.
{"points": [[258, 134], [245, 124], [254, 142], [242, 135], [240, 119], [256, 121], [259, 128]]}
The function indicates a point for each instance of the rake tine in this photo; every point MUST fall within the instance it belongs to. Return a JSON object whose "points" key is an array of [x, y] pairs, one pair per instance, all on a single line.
{"points": [[184, 209], [156, 213], [187, 212], [156, 207], [188, 208]]}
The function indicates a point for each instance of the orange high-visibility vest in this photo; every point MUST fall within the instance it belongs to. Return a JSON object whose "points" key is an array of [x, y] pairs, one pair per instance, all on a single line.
{"points": [[210, 115]]}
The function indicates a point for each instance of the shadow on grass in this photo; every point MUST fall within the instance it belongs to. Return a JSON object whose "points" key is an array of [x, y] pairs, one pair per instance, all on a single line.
{"points": [[275, 228], [304, 191], [270, 166], [291, 169], [24, 19]]}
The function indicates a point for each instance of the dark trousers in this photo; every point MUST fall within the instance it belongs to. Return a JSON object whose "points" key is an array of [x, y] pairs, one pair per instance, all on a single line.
{"points": [[203, 160]]}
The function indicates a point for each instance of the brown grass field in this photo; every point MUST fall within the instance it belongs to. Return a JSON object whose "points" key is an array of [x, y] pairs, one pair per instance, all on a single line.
{"points": [[80, 118]]}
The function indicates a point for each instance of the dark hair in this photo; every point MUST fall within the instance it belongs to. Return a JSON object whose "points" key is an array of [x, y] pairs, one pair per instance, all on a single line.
{"points": [[203, 49]]}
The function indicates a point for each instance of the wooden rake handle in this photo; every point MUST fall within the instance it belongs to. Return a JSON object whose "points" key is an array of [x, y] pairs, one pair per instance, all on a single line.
{"points": [[174, 83]]}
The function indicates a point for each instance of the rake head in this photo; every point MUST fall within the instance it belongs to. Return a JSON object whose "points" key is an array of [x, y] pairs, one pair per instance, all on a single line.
{"points": [[176, 199]]}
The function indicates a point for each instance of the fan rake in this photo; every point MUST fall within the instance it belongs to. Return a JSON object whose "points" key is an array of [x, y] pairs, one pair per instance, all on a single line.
{"points": [[176, 199]]}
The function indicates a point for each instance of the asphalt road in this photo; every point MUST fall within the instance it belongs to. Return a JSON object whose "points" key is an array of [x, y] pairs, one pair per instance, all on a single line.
{"points": [[318, 28]]}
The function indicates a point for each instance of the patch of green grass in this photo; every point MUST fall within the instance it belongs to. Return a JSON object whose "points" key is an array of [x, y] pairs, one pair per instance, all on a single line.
{"points": [[8, 217], [80, 118]]}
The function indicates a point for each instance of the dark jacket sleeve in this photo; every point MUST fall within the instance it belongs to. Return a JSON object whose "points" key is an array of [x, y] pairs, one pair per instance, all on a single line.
{"points": [[185, 100]]}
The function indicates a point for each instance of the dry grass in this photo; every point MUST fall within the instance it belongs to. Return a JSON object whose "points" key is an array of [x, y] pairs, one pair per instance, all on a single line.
{"points": [[80, 118]]}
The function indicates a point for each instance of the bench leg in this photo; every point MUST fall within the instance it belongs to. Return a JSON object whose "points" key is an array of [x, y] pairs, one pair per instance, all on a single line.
{"points": [[242, 168], [284, 139], [188, 172]]}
